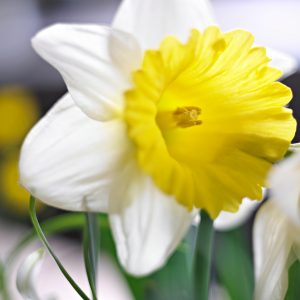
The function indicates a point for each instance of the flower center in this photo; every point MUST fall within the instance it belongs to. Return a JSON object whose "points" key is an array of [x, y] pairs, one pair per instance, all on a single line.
{"points": [[182, 117]]}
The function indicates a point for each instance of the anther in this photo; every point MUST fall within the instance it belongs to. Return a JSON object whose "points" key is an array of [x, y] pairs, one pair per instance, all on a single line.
{"points": [[187, 116]]}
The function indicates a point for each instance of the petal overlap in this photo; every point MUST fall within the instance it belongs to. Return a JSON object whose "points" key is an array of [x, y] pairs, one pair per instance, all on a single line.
{"points": [[69, 160], [147, 224], [227, 221], [284, 180], [90, 59], [167, 17], [272, 251]]}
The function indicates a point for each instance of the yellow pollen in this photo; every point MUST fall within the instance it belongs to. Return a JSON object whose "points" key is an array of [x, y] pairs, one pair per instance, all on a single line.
{"points": [[183, 117], [187, 116]]}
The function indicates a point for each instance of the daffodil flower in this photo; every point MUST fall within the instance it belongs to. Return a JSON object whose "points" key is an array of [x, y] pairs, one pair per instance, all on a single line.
{"points": [[162, 118], [276, 233], [227, 220]]}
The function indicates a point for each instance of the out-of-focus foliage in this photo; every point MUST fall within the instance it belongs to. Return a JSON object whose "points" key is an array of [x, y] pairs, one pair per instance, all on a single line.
{"points": [[1, 276], [293, 292], [233, 264], [171, 282]]}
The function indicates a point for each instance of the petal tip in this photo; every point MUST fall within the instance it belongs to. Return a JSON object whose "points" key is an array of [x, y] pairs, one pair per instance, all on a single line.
{"points": [[47, 37]]}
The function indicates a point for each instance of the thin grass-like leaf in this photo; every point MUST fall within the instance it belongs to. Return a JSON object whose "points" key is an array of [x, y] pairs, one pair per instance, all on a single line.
{"points": [[42, 237], [203, 257], [91, 249]]}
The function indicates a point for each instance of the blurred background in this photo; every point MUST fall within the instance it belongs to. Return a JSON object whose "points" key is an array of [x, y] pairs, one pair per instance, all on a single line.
{"points": [[29, 87]]}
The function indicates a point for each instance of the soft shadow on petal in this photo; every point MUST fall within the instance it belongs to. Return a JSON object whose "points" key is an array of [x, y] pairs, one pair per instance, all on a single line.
{"points": [[227, 221], [69, 160], [92, 61], [285, 187], [152, 20], [284, 62], [272, 252], [147, 225], [27, 275]]}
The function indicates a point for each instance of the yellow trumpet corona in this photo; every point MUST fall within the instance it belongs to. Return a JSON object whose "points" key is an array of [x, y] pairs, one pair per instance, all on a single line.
{"points": [[208, 119]]}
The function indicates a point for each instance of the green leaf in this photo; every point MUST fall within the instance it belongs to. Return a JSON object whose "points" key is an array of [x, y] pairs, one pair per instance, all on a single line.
{"points": [[42, 237], [2, 271], [3, 288], [203, 257], [62, 223], [293, 292], [178, 269], [234, 264], [173, 281], [58, 224], [91, 243], [107, 245]]}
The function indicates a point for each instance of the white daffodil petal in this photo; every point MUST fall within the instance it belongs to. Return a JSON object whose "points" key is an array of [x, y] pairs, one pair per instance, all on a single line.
{"points": [[284, 62], [95, 62], [147, 225], [152, 20], [27, 275], [285, 187], [227, 221], [272, 252], [69, 160]]}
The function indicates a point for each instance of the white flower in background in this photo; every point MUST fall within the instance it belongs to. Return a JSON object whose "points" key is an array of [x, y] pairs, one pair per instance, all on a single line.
{"points": [[81, 155], [227, 221], [27, 275], [276, 233]]}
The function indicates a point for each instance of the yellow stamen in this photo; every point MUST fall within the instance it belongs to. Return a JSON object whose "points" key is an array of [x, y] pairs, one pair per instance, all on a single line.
{"points": [[187, 116], [182, 117]]}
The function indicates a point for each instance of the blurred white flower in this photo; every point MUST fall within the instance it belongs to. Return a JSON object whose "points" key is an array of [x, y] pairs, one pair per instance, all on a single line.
{"points": [[227, 221], [27, 275], [276, 233]]}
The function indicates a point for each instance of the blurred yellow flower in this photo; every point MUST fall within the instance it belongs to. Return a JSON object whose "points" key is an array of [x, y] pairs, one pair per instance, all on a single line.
{"points": [[18, 112], [15, 197]]}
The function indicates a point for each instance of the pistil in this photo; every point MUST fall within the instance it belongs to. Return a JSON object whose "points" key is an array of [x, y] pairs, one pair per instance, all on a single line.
{"points": [[182, 117]]}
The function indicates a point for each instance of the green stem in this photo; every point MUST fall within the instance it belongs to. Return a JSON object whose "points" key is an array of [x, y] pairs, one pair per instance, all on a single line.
{"points": [[203, 257], [91, 249], [42, 237], [58, 224], [3, 288]]}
